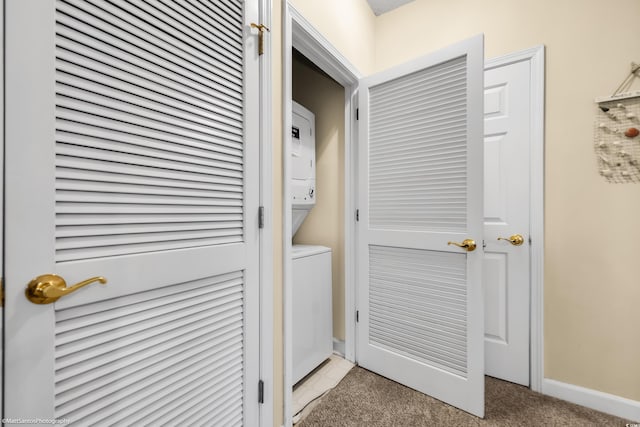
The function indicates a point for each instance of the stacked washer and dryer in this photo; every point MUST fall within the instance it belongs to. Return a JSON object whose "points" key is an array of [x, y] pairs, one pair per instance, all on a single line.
{"points": [[312, 312]]}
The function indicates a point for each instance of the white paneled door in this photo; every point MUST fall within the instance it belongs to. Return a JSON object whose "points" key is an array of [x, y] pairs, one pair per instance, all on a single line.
{"points": [[506, 206], [132, 154], [420, 298]]}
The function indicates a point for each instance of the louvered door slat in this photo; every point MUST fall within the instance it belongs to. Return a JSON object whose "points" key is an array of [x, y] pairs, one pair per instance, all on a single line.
{"points": [[121, 219], [93, 388], [89, 329], [98, 310], [102, 208], [198, 406], [426, 80], [147, 392], [72, 359], [220, 391], [224, 413], [213, 12], [393, 167], [395, 328], [188, 149], [88, 166], [111, 111], [95, 79], [81, 176], [97, 389], [154, 40], [118, 66], [108, 89], [113, 97], [112, 187], [158, 61], [102, 119], [77, 379], [188, 32], [190, 29], [215, 167]]}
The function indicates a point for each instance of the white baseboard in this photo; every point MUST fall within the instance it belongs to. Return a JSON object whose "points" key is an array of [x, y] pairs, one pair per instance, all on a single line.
{"points": [[338, 347], [603, 402]]}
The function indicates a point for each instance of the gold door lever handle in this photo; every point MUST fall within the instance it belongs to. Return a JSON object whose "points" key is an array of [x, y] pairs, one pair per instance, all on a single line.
{"points": [[467, 244], [49, 288], [515, 240]]}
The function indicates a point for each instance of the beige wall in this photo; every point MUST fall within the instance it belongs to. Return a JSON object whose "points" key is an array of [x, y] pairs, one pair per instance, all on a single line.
{"points": [[325, 223], [592, 279], [349, 26]]}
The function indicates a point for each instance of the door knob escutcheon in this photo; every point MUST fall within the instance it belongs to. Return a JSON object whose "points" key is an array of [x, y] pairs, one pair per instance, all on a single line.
{"points": [[48, 288], [468, 245], [515, 240]]}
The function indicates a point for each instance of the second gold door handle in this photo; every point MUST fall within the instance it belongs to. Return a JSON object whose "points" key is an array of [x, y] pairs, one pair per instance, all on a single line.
{"points": [[468, 245], [515, 240]]}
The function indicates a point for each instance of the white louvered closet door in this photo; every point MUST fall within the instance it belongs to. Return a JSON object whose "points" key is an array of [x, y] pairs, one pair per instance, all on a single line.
{"points": [[132, 153], [420, 168]]}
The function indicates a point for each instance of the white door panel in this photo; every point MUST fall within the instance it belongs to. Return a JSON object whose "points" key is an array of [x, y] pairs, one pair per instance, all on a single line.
{"points": [[420, 177], [506, 212], [132, 150]]}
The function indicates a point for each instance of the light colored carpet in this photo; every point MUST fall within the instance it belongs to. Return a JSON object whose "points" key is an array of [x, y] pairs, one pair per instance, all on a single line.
{"points": [[365, 399], [315, 385]]}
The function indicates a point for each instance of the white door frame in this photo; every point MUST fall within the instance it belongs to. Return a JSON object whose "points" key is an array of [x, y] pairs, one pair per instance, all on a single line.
{"points": [[299, 33], [535, 57], [266, 232], [2, 212]]}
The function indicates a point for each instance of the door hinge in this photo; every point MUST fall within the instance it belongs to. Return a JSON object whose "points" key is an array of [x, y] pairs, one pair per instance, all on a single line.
{"points": [[357, 114], [261, 217], [529, 240], [260, 391], [357, 316], [357, 215]]}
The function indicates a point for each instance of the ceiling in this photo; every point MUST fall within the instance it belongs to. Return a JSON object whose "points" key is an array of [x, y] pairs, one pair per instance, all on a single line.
{"points": [[381, 6]]}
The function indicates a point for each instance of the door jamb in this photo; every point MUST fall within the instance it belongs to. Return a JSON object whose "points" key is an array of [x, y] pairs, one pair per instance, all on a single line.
{"points": [[299, 33], [266, 233], [2, 225], [535, 57]]}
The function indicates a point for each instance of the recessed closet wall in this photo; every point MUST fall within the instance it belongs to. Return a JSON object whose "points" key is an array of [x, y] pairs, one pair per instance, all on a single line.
{"points": [[325, 223]]}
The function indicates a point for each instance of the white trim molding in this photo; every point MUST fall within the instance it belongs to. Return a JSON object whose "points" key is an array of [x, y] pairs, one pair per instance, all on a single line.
{"points": [[535, 57], [312, 44], [603, 402], [266, 233], [287, 272], [338, 347]]}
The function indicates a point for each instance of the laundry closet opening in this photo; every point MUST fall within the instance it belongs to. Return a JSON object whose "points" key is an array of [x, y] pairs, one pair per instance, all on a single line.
{"points": [[317, 165]]}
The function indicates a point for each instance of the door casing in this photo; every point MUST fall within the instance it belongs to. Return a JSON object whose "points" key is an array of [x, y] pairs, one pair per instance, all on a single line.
{"points": [[535, 58], [299, 33]]}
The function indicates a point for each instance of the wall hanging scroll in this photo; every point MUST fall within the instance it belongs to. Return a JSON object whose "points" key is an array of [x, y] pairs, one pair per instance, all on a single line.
{"points": [[617, 133]]}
